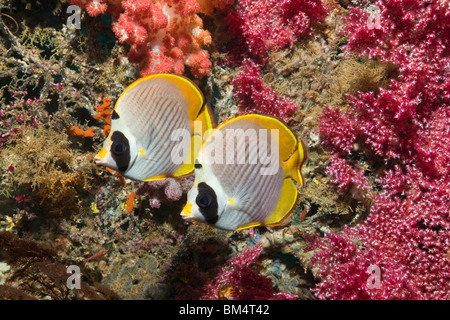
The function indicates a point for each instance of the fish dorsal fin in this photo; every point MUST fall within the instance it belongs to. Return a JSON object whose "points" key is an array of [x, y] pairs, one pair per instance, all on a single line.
{"points": [[191, 92], [287, 140], [292, 153], [144, 108], [285, 204]]}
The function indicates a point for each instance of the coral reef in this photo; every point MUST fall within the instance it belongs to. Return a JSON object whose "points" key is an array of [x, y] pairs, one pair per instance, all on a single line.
{"points": [[402, 130], [209, 6], [42, 161], [163, 191], [256, 97], [36, 272], [261, 26], [165, 36], [237, 281], [367, 92]]}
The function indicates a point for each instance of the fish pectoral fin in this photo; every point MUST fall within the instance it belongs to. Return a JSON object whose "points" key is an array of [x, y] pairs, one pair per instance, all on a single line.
{"points": [[286, 203]]}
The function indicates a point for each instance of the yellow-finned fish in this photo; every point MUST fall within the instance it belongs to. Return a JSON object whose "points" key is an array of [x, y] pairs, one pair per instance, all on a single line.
{"points": [[144, 124], [243, 174]]}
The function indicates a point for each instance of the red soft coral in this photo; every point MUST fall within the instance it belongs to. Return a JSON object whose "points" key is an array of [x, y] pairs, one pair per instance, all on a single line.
{"points": [[165, 35], [256, 97], [237, 281], [407, 127], [259, 26]]}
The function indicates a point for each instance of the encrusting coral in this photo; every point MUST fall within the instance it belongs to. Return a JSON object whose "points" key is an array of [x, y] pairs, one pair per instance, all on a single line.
{"points": [[36, 272]]}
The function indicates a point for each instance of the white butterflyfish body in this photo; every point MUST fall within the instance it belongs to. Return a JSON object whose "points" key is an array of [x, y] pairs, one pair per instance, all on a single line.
{"points": [[141, 144], [244, 174]]}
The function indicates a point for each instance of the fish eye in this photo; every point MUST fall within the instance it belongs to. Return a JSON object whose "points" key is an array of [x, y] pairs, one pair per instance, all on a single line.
{"points": [[120, 150], [204, 200], [118, 147], [207, 203]]}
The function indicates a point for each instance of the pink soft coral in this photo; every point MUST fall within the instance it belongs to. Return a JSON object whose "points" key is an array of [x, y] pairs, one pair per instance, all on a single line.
{"points": [[163, 191], [345, 176], [165, 35], [237, 281], [406, 127], [406, 236], [396, 122], [256, 97], [262, 25]]}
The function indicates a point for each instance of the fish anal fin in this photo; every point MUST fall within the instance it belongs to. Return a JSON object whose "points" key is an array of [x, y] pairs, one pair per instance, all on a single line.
{"points": [[184, 170], [156, 178], [249, 225], [285, 205]]}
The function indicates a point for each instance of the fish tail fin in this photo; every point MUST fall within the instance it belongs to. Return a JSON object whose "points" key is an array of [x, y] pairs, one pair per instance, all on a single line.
{"points": [[293, 165]]}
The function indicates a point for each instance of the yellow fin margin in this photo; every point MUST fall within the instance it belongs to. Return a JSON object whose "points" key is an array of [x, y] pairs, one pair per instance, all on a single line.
{"points": [[283, 209], [287, 139], [286, 203], [206, 118], [292, 152], [192, 93]]}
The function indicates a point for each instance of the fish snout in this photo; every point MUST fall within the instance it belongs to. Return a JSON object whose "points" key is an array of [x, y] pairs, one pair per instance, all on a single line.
{"points": [[100, 157], [186, 214]]}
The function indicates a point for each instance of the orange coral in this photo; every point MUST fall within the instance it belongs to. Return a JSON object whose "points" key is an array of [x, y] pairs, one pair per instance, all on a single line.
{"points": [[104, 112], [130, 201], [76, 131]]}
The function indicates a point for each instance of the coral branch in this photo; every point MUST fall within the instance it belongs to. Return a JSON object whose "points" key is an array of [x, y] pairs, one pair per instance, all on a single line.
{"points": [[256, 97], [259, 26], [407, 126], [164, 35]]}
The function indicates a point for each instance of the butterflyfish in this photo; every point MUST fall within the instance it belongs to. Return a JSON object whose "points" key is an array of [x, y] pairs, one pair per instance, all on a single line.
{"points": [[153, 129], [244, 174]]}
